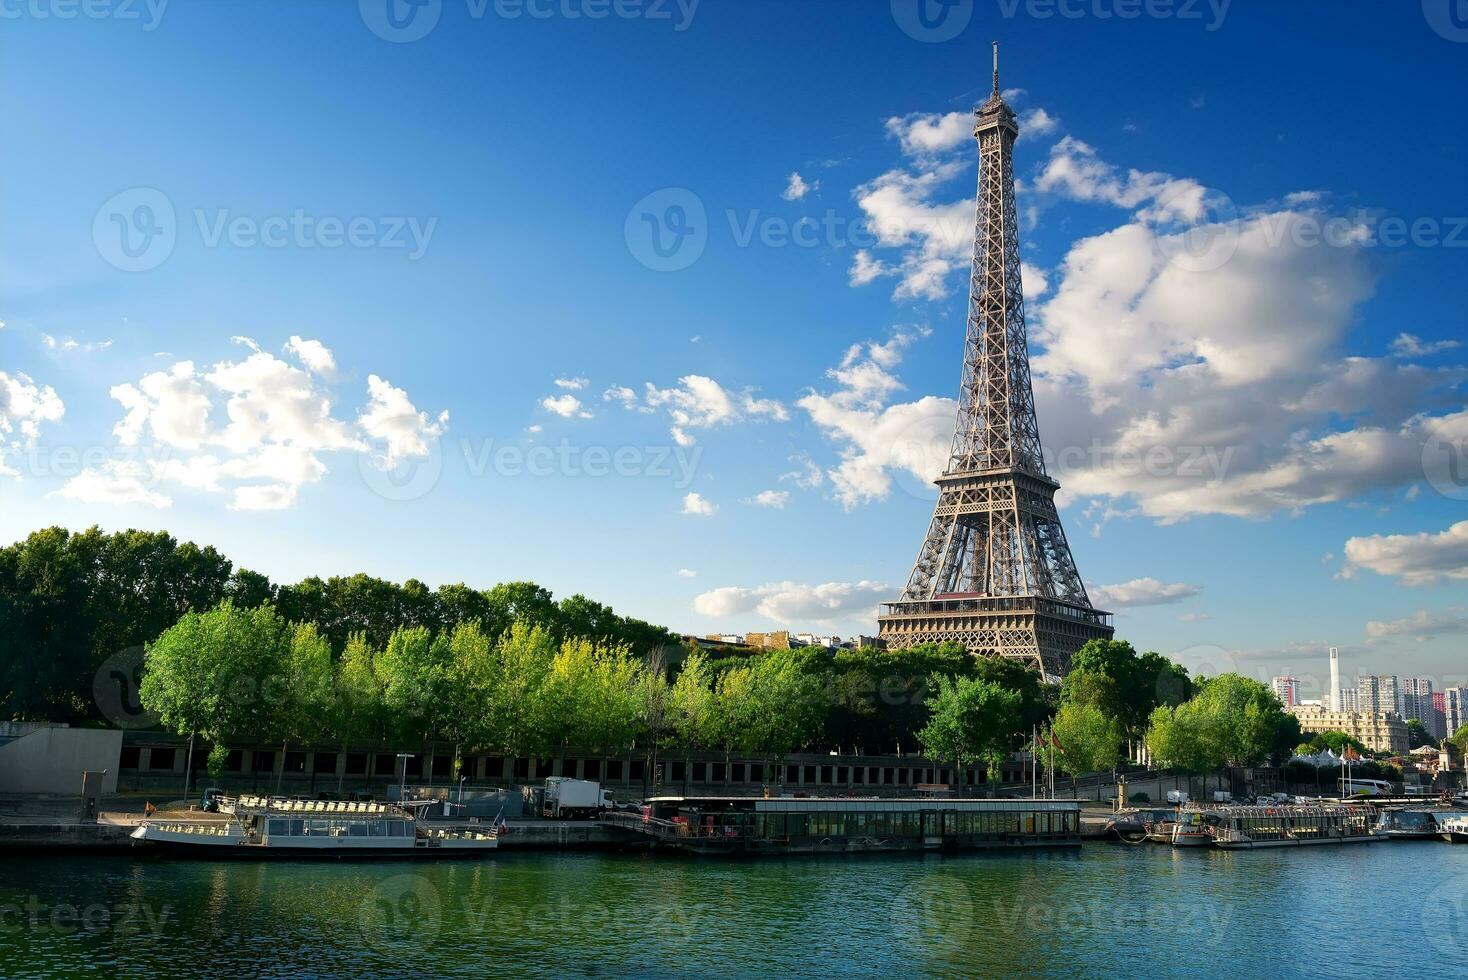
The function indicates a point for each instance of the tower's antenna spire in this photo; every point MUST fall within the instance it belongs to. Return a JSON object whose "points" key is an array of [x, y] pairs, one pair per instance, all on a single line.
{"points": [[996, 69]]}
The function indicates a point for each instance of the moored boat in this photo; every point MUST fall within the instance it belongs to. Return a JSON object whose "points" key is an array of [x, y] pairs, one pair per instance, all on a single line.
{"points": [[1191, 830], [270, 827], [1409, 824], [1454, 829], [1247, 827]]}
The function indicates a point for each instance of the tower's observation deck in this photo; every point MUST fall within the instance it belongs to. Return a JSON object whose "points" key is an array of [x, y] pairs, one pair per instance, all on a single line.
{"points": [[995, 572]]}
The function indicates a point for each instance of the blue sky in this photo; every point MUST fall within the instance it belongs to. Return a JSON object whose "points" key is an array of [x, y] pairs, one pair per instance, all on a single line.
{"points": [[1301, 398]]}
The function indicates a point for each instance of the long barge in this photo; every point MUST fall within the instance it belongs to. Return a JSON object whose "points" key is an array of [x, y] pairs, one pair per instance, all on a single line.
{"points": [[847, 825]]}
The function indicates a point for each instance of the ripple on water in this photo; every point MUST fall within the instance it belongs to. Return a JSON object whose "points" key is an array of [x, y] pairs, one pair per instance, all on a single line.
{"points": [[1153, 910]]}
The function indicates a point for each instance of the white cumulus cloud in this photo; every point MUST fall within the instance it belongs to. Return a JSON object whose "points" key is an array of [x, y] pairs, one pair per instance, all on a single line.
{"points": [[696, 505], [24, 407], [1142, 592], [791, 603], [1415, 559]]}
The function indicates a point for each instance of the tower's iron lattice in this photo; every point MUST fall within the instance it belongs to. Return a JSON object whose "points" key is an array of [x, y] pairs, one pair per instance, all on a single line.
{"points": [[995, 572]]}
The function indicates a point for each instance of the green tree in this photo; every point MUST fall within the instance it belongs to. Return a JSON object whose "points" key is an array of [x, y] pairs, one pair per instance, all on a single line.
{"points": [[972, 720], [1090, 740], [410, 670], [302, 696], [1337, 742], [1418, 735], [210, 674], [462, 689], [1139, 683], [691, 704], [518, 706]]}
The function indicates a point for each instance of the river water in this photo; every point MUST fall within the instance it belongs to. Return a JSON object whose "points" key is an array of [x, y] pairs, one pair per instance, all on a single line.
{"points": [[1146, 911]]}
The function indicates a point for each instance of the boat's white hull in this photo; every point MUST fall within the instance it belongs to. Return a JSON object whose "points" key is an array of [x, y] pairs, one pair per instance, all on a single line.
{"points": [[204, 842], [1249, 845]]}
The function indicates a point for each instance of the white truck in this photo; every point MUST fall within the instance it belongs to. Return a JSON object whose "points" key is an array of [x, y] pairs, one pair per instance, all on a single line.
{"points": [[574, 799]]}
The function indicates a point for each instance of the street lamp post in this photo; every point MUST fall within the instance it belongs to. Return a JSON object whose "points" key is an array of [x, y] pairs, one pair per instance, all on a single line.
{"points": [[403, 779]]}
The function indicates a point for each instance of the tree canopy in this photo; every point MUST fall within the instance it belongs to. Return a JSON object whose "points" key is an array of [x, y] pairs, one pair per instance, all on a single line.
{"points": [[69, 601], [1232, 720]]}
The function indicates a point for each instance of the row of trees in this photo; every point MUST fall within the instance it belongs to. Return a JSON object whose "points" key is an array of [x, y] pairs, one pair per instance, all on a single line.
{"points": [[236, 673], [233, 673], [68, 601], [1115, 699]]}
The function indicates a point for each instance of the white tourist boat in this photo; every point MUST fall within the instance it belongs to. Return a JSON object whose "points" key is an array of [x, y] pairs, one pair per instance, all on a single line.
{"points": [[1454, 829], [1191, 830], [261, 826], [1247, 827]]}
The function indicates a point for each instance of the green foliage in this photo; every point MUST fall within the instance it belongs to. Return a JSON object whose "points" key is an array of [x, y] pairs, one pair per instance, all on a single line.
{"points": [[69, 601], [1418, 735], [1090, 739], [221, 674], [1111, 675], [1231, 721], [972, 720], [1336, 742], [771, 704]]}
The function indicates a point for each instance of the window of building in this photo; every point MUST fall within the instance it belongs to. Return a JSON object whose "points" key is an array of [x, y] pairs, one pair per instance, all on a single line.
{"points": [[262, 760], [356, 764], [323, 762], [295, 762], [128, 759], [161, 759]]}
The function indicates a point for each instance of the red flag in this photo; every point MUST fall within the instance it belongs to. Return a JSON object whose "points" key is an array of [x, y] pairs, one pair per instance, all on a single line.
{"points": [[1056, 742], [1351, 754]]}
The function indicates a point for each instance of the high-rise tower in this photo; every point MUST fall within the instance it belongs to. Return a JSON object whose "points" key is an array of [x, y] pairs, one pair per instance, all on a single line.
{"points": [[1335, 681], [995, 572]]}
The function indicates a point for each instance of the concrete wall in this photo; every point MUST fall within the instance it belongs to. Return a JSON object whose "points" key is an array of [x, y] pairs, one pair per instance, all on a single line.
{"points": [[52, 760]]}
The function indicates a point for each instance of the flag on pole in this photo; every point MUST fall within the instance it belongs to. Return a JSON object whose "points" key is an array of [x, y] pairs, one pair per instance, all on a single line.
{"points": [[1055, 741]]}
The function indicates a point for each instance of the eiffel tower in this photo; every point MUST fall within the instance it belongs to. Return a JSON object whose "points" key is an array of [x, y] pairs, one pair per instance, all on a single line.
{"points": [[995, 572]]}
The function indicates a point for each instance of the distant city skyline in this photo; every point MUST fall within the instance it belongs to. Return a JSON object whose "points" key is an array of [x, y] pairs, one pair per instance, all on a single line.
{"points": [[690, 349]]}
